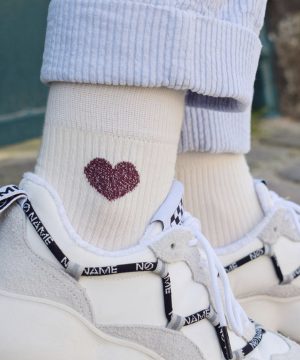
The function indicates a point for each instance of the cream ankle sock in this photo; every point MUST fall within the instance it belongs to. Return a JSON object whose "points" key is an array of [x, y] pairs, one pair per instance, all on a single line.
{"points": [[219, 190], [88, 126]]}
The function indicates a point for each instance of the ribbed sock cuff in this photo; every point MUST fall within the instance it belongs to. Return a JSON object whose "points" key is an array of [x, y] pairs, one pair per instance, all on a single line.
{"points": [[151, 45], [109, 225], [215, 131], [134, 132], [219, 190]]}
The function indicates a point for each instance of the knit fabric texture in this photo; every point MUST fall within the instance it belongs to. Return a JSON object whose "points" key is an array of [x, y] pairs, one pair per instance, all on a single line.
{"points": [[219, 190], [208, 47], [110, 154], [213, 131]]}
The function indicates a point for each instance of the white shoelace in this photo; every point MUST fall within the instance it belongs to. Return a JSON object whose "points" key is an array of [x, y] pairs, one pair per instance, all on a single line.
{"points": [[230, 313], [292, 207]]}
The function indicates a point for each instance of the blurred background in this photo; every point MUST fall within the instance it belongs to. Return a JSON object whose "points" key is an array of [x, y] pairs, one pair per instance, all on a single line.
{"points": [[276, 108]]}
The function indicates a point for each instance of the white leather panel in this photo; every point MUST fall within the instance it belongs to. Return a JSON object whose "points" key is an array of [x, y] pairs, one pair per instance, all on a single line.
{"points": [[247, 278], [135, 298], [288, 254], [188, 296]]}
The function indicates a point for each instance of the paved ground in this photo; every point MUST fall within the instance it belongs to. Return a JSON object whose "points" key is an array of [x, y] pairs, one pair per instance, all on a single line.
{"points": [[16, 159], [275, 157]]}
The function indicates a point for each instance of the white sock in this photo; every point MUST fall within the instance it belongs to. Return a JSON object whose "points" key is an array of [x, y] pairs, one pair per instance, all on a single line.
{"points": [[219, 190], [89, 125]]}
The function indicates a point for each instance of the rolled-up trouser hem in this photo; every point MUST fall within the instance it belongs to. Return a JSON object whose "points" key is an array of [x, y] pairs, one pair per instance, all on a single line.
{"points": [[132, 43], [215, 131]]}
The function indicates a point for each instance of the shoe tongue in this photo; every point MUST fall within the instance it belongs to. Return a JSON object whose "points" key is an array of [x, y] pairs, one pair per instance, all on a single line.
{"points": [[170, 212], [264, 196]]}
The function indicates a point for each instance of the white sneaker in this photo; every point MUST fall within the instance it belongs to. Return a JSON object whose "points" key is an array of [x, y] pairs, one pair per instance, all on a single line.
{"points": [[167, 298], [264, 267]]}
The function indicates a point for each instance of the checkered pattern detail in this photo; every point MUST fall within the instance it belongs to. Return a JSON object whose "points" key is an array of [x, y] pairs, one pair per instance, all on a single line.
{"points": [[177, 216]]}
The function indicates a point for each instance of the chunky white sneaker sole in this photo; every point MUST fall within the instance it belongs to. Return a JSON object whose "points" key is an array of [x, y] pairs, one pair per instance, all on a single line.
{"points": [[160, 300], [42, 327]]}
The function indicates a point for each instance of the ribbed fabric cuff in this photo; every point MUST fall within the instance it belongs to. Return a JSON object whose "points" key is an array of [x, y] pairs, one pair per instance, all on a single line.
{"points": [[152, 45], [215, 131]]}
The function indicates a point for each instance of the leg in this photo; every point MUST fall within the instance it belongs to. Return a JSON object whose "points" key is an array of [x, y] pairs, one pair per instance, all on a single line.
{"points": [[138, 126], [255, 232], [219, 187], [143, 46], [106, 162]]}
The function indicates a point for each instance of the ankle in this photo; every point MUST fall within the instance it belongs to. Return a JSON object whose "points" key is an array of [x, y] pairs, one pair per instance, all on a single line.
{"points": [[219, 189], [136, 127]]}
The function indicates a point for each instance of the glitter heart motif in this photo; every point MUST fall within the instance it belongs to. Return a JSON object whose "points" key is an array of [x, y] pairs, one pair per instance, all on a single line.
{"points": [[112, 182]]}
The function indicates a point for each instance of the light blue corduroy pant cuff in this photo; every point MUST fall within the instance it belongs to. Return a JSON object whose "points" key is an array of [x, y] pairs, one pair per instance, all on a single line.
{"points": [[214, 131], [209, 47]]}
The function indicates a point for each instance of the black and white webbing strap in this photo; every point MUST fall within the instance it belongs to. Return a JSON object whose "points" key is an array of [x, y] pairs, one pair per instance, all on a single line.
{"points": [[11, 194], [252, 256], [266, 250]]}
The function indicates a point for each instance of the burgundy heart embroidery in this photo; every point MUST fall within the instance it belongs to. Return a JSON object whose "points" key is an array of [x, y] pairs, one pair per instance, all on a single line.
{"points": [[112, 182]]}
